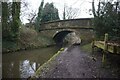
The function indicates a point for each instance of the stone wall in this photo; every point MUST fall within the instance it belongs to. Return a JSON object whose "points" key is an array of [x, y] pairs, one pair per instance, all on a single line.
{"points": [[84, 22]]}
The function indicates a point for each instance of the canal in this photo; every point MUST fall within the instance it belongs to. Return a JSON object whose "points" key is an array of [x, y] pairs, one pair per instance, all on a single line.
{"points": [[23, 64]]}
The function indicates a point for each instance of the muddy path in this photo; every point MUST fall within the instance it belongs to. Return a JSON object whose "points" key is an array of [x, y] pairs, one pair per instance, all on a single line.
{"points": [[74, 63]]}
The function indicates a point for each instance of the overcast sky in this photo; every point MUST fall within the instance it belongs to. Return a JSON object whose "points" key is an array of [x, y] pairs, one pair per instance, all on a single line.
{"points": [[82, 5]]}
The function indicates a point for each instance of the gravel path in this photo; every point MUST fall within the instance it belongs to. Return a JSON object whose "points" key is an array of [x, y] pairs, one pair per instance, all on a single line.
{"points": [[74, 63]]}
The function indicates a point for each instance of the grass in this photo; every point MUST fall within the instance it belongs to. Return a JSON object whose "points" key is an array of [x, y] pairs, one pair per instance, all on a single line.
{"points": [[87, 47]]}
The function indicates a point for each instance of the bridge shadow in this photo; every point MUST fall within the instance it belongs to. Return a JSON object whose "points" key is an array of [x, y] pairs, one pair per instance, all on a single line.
{"points": [[59, 37]]}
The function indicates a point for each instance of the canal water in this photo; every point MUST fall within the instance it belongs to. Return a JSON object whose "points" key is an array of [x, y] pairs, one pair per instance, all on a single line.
{"points": [[23, 64]]}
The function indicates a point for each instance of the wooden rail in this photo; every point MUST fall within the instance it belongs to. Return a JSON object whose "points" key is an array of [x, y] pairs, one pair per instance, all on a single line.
{"points": [[106, 46], [110, 47]]}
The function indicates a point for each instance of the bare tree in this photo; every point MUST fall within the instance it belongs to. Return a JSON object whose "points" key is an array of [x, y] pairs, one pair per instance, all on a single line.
{"points": [[27, 12], [70, 13], [31, 16]]}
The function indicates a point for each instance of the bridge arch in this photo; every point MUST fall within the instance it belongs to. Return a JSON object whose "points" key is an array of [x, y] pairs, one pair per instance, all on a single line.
{"points": [[60, 35]]}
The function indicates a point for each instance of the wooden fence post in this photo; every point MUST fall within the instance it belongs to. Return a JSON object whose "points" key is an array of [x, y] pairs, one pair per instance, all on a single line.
{"points": [[105, 48], [105, 42]]}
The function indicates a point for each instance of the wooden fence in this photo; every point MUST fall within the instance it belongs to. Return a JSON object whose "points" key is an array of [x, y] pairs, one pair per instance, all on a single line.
{"points": [[107, 46]]}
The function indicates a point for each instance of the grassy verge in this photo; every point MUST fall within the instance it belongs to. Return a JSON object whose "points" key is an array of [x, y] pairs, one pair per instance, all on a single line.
{"points": [[87, 47]]}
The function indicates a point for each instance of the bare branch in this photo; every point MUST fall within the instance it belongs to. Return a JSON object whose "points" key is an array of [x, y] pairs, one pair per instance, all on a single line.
{"points": [[71, 13]]}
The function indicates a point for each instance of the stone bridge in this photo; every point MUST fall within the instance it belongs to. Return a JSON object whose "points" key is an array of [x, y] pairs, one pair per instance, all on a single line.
{"points": [[59, 29]]}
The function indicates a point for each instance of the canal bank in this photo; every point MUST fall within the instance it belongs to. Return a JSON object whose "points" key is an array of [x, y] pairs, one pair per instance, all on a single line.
{"points": [[47, 65], [77, 63]]}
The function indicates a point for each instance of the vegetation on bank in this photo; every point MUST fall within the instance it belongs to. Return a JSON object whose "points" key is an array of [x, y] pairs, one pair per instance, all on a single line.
{"points": [[16, 36], [28, 39]]}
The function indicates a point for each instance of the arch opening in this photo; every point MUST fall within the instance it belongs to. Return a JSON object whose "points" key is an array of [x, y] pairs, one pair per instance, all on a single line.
{"points": [[59, 36]]}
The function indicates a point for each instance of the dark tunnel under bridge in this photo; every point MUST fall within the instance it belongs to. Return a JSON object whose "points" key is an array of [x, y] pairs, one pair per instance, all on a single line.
{"points": [[59, 36]]}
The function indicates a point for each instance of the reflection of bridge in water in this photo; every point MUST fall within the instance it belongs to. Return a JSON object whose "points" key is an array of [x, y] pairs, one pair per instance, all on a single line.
{"points": [[59, 29]]}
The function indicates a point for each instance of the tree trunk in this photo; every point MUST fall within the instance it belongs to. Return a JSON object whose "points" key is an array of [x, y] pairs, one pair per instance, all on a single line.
{"points": [[5, 27], [15, 19]]}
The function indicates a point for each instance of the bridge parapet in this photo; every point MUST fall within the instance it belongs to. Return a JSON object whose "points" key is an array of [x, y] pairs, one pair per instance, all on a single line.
{"points": [[71, 23]]}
